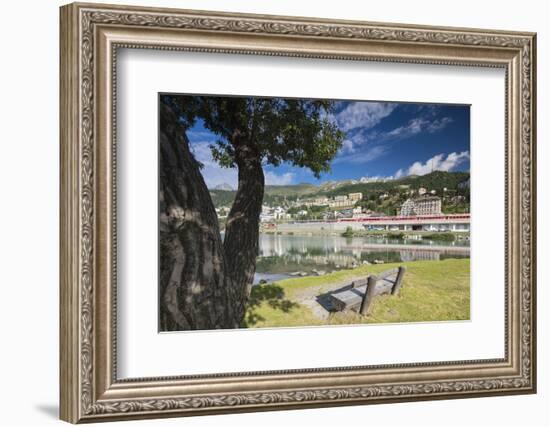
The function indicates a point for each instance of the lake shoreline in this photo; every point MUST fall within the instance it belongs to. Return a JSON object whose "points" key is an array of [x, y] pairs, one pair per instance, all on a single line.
{"points": [[283, 256], [465, 236]]}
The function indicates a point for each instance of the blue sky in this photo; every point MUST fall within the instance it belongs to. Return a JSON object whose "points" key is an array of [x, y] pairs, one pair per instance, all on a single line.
{"points": [[383, 140]]}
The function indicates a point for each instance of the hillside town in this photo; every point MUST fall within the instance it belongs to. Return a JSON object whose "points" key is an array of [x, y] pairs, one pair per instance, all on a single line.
{"points": [[418, 203], [347, 206], [436, 202]]}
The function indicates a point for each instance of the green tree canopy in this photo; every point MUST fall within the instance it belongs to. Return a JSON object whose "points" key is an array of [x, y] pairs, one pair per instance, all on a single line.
{"points": [[278, 130]]}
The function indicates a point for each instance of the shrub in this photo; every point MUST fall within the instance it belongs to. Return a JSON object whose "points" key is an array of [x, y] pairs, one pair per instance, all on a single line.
{"points": [[348, 232], [447, 237]]}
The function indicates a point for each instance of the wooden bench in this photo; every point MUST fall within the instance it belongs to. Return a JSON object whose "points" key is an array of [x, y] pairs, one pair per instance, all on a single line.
{"points": [[363, 291]]}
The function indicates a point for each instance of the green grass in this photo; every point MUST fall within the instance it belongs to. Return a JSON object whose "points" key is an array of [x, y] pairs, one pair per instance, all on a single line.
{"points": [[432, 291]]}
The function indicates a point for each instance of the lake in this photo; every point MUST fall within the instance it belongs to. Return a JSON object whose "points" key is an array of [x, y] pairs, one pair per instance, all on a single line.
{"points": [[284, 256]]}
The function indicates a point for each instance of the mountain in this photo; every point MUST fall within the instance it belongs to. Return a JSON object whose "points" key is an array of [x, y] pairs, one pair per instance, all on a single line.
{"points": [[223, 186], [273, 194], [278, 194], [437, 181], [291, 190]]}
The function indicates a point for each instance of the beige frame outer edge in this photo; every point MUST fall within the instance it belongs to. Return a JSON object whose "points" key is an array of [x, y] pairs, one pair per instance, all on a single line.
{"points": [[90, 34]]}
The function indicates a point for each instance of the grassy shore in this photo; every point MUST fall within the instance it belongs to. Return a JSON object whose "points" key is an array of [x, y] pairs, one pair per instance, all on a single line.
{"points": [[432, 291]]}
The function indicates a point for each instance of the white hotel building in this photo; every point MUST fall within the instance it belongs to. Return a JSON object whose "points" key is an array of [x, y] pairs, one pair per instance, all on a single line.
{"points": [[423, 205]]}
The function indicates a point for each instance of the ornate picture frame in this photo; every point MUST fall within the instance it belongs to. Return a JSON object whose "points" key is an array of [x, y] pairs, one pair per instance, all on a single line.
{"points": [[90, 37]]}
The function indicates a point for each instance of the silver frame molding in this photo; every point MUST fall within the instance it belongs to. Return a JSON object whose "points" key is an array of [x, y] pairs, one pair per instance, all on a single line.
{"points": [[90, 37]]}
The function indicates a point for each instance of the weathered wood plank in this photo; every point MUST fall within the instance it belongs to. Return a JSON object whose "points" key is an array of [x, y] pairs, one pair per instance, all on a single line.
{"points": [[398, 280], [362, 292], [390, 272], [358, 283], [369, 296], [347, 300], [384, 286]]}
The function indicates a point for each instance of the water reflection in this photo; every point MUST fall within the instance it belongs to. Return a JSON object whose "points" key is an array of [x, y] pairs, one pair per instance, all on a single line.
{"points": [[283, 256]]}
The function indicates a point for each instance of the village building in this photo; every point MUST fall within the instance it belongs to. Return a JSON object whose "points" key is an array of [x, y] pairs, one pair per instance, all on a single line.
{"points": [[319, 201], [340, 202], [355, 197], [424, 205]]}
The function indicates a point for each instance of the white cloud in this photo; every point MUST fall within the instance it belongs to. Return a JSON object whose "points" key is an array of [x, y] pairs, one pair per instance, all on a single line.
{"points": [[272, 178], [215, 175], [201, 151], [417, 125], [439, 124], [347, 146], [364, 156], [361, 136], [412, 128], [212, 172], [438, 162], [363, 114], [355, 140]]}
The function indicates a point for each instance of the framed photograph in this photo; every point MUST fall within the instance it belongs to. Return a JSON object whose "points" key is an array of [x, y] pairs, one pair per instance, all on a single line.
{"points": [[266, 212]]}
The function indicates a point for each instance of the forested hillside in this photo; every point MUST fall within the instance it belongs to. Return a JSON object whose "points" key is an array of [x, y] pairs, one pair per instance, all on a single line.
{"points": [[383, 196]]}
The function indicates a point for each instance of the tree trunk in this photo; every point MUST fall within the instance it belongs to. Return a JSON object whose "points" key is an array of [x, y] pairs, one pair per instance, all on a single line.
{"points": [[196, 291], [204, 283], [242, 225]]}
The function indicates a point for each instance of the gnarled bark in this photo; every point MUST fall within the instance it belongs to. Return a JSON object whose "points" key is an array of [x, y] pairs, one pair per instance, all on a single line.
{"points": [[195, 291], [204, 283], [242, 226]]}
